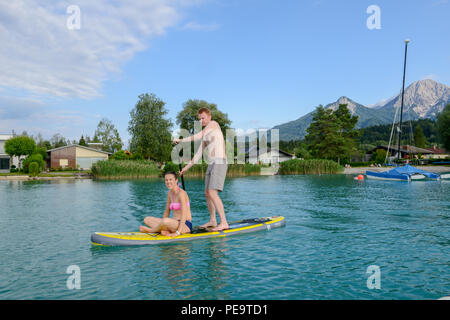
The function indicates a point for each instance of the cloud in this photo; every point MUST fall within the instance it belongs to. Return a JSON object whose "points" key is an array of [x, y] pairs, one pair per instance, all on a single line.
{"points": [[200, 27], [41, 55], [439, 2], [13, 108], [27, 114], [431, 76]]}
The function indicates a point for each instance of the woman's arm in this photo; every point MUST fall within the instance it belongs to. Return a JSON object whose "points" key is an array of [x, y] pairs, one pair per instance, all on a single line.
{"points": [[184, 211], [166, 213]]}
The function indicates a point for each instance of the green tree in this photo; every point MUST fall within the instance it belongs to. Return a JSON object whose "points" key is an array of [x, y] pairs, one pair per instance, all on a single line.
{"points": [[347, 132], [42, 151], [108, 135], [379, 156], [187, 117], [302, 153], [322, 138], [419, 138], [149, 129], [82, 142], [331, 134], [443, 124], [20, 146]]}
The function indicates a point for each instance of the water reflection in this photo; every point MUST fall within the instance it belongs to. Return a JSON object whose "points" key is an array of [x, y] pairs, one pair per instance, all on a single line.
{"points": [[180, 272], [183, 270], [196, 270]]}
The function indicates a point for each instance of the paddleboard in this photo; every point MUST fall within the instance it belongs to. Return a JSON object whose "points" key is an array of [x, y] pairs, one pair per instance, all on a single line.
{"points": [[139, 238]]}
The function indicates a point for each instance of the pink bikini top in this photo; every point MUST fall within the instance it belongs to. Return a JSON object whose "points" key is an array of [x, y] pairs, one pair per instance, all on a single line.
{"points": [[176, 206]]}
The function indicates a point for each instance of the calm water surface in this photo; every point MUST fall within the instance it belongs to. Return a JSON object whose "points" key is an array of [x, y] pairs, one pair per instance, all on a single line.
{"points": [[335, 229]]}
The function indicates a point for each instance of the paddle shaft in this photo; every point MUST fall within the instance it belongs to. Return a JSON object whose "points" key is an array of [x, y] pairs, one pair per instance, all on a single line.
{"points": [[182, 179], [181, 168]]}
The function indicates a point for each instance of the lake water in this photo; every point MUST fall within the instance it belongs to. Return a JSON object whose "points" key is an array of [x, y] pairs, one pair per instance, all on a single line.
{"points": [[336, 228]]}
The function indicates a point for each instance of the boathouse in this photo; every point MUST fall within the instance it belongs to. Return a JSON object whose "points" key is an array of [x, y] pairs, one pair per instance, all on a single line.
{"points": [[75, 156]]}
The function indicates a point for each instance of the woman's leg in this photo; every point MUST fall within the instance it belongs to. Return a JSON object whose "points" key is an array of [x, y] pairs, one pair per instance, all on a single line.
{"points": [[153, 223], [169, 225]]}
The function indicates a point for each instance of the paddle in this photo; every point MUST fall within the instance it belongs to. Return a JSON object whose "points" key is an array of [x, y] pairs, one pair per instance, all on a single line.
{"points": [[180, 167]]}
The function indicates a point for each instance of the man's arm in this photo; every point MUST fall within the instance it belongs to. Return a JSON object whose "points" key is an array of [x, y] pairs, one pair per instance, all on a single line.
{"points": [[194, 160], [198, 136]]}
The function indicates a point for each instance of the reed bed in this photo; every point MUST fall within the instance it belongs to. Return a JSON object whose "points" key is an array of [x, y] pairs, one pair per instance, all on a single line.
{"points": [[313, 166], [234, 170], [125, 169], [136, 169]]}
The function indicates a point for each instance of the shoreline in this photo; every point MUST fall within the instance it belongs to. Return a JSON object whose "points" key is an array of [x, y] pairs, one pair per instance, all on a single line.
{"points": [[348, 171], [47, 177], [362, 170]]}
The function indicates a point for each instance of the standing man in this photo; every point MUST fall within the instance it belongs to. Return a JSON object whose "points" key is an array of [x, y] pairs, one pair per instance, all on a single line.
{"points": [[214, 143]]}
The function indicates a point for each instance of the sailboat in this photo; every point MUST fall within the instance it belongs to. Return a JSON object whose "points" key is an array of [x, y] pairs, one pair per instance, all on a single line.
{"points": [[404, 173], [407, 172]]}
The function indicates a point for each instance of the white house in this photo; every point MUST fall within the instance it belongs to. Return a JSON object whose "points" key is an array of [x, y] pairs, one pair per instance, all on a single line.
{"points": [[268, 156], [5, 160]]}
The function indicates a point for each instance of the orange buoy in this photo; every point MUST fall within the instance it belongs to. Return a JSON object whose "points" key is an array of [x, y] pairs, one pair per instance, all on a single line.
{"points": [[359, 177]]}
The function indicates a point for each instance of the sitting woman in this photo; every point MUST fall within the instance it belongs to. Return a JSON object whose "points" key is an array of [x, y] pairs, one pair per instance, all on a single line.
{"points": [[178, 202]]}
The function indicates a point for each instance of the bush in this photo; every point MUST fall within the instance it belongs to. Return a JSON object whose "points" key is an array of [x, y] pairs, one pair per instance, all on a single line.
{"points": [[137, 156], [314, 166], [33, 158], [379, 156], [33, 168], [120, 155], [170, 166]]}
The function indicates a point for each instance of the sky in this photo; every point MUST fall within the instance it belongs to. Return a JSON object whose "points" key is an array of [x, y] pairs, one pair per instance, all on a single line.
{"points": [[65, 65]]}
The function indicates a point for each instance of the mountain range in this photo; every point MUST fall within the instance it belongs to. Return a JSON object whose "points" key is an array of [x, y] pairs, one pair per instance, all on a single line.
{"points": [[422, 99]]}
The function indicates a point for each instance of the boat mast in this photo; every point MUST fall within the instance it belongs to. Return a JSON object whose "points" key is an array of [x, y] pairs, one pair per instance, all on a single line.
{"points": [[401, 108]]}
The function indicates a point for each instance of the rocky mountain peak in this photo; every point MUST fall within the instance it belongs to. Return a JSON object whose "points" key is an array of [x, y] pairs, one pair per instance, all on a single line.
{"points": [[351, 105], [423, 98]]}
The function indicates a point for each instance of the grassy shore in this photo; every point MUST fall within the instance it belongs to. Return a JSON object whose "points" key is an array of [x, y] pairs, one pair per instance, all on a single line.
{"points": [[125, 169], [141, 169], [136, 169], [132, 169], [314, 166]]}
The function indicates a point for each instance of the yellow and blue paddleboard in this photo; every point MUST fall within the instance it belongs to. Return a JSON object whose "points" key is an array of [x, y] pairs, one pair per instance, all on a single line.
{"points": [[138, 238]]}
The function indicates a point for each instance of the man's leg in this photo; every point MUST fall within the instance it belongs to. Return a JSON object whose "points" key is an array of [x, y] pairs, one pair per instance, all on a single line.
{"points": [[214, 196], [211, 208], [212, 212]]}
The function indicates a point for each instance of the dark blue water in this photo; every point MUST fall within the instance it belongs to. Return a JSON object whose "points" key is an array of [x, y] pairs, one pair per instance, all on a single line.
{"points": [[335, 229]]}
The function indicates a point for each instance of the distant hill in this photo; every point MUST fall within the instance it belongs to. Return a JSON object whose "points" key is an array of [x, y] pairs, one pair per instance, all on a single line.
{"points": [[424, 99]]}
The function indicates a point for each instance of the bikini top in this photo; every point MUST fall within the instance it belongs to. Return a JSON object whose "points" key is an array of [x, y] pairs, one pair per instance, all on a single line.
{"points": [[176, 206]]}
